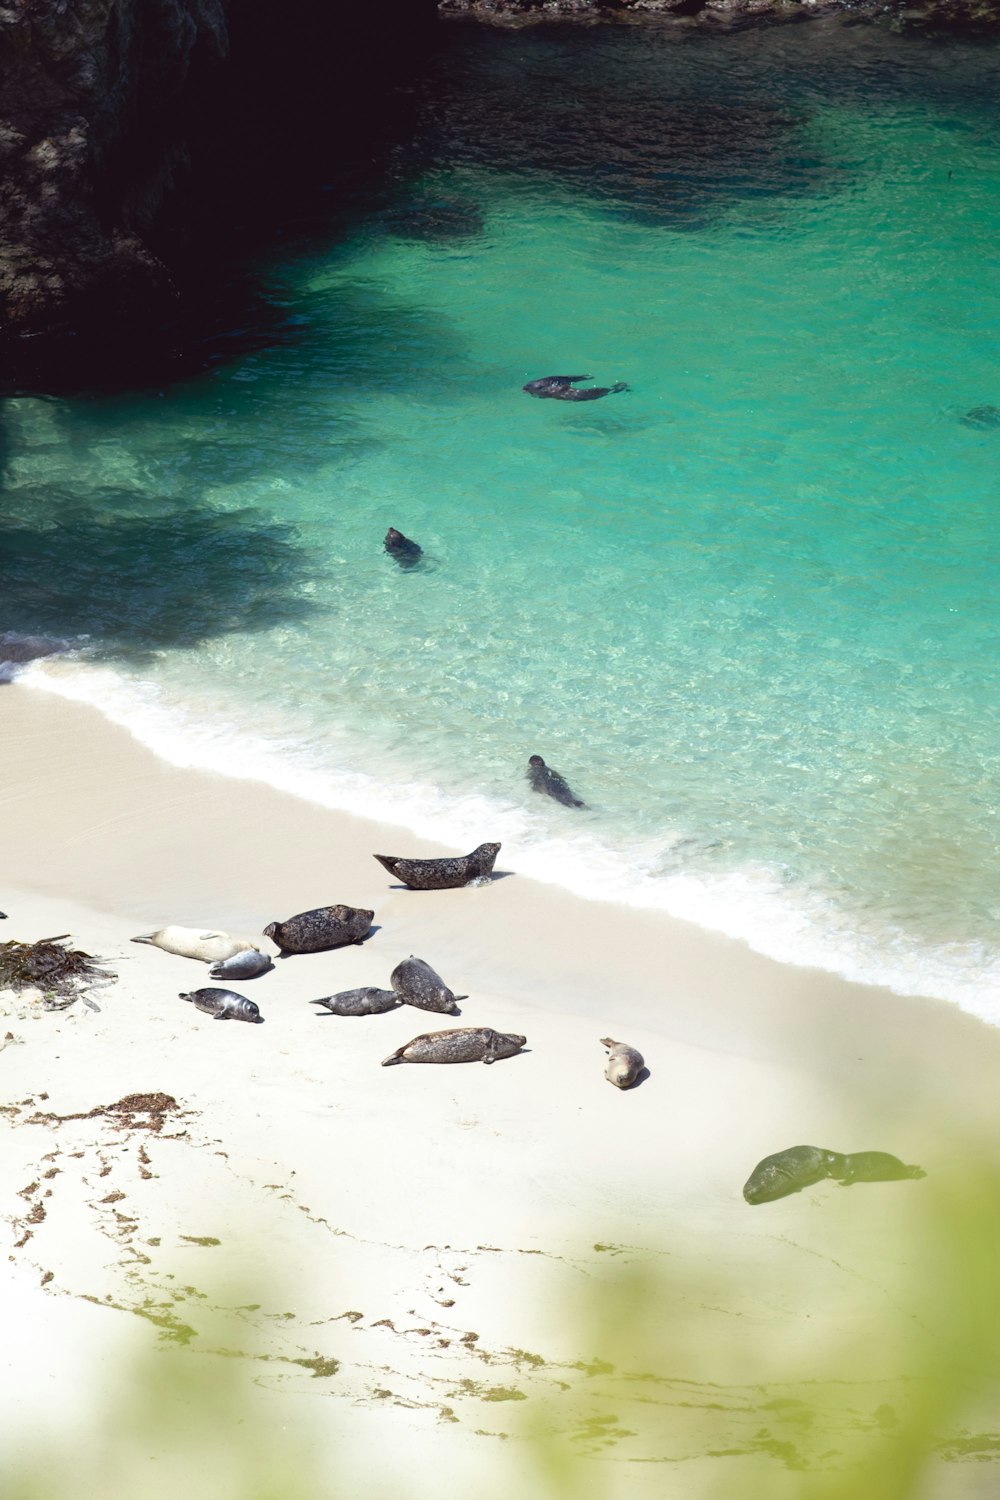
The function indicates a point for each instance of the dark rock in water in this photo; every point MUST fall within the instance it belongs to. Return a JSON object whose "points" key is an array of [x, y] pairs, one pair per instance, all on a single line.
{"points": [[406, 552], [983, 418], [543, 779], [436, 220], [17, 650]]}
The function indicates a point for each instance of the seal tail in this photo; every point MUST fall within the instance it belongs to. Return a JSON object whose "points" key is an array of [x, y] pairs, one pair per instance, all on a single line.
{"points": [[145, 937], [394, 1057], [914, 1172], [619, 385], [389, 861], [607, 1042]]}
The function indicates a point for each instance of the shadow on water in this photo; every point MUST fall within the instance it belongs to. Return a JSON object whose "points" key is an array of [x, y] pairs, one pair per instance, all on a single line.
{"points": [[137, 577]]}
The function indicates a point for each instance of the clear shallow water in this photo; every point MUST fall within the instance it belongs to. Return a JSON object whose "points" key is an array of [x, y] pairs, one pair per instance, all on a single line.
{"points": [[749, 608]]}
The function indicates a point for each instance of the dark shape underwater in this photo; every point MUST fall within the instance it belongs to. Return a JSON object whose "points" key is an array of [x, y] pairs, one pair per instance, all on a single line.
{"points": [[563, 388]]}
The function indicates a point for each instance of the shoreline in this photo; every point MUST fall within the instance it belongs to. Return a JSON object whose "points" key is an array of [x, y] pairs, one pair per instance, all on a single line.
{"points": [[428, 1228]]}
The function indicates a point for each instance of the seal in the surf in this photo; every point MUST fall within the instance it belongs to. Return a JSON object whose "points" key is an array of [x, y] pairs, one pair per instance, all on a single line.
{"points": [[367, 1001], [790, 1171], [417, 983], [402, 548], [542, 778], [982, 418], [193, 942], [564, 388], [322, 928], [461, 1044], [441, 874], [624, 1063], [245, 965], [874, 1166], [224, 1005]]}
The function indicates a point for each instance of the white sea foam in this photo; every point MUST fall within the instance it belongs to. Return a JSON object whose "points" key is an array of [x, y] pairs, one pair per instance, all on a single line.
{"points": [[789, 923]]}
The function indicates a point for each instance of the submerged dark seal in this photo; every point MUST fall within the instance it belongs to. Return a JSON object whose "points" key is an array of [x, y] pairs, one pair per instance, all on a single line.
{"points": [[417, 983], [461, 1044], [402, 548], [790, 1171], [322, 928], [441, 874], [543, 779], [224, 1005], [563, 388], [874, 1166], [982, 418], [367, 1001]]}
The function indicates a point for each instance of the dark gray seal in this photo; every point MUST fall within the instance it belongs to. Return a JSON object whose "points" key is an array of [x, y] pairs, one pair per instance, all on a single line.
{"points": [[790, 1171], [874, 1166], [441, 874], [461, 1044], [416, 983], [563, 388], [624, 1063], [364, 1002], [982, 418], [224, 1005], [542, 778], [405, 551], [322, 928], [246, 965]]}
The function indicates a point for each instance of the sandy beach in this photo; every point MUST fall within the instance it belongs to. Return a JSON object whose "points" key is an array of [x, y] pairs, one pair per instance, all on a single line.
{"points": [[423, 1269]]}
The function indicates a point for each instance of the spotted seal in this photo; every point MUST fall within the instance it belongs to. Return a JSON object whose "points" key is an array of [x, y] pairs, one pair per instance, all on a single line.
{"points": [[874, 1166], [461, 1044], [790, 1171], [193, 942], [563, 388], [322, 928], [406, 552], [542, 778], [364, 1002], [441, 874], [416, 983], [247, 964], [624, 1063], [224, 1005]]}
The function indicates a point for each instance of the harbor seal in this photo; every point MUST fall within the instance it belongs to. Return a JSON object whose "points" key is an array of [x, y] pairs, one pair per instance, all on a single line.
{"points": [[563, 388], [874, 1166], [461, 1044], [416, 983], [322, 928], [406, 552], [542, 778], [982, 418], [441, 874], [790, 1171], [224, 1005], [364, 1002], [247, 964], [624, 1063], [192, 942]]}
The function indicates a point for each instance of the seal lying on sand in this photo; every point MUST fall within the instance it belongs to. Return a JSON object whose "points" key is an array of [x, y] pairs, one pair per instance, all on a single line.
{"points": [[322, 928], [461, 1044], [244, 965], [624, 1063], [416, 983], [364, 1002], [561, 388], [441, 874], [874, 1166], [191, 942], [543, 779], [405, 551], [224, 1005], [790, 1171]]}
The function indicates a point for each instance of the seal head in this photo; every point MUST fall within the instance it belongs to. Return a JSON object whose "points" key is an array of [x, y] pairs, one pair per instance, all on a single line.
{"points": [[402, 548], [441, 874]]}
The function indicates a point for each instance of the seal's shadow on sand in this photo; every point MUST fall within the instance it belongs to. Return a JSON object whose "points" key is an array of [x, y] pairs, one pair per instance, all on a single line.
{"points": [[469, 885], [640, 1079]]}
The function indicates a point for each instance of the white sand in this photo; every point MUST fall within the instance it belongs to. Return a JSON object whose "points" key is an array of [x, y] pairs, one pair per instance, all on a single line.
{"points": [[452, 1236]]}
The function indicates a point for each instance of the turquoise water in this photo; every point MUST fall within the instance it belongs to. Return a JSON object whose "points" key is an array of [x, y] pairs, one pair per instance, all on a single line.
{"points": [[748, 608]]}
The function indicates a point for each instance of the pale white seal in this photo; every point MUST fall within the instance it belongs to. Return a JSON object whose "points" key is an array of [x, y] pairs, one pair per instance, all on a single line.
{"points": [[194, 942]]}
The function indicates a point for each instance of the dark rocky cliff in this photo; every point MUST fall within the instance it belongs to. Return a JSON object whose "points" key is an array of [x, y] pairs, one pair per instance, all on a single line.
{"points": [[943, 15]]}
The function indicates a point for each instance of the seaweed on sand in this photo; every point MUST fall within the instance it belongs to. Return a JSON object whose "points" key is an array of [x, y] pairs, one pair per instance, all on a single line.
{"points": [[61, 973]]}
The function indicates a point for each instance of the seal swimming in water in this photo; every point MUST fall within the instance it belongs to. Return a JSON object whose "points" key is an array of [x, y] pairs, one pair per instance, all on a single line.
{"points": [[441, 874], [322, 928], [461, 1044], [224, 1005], [874, 1166], [416, 983], [405, 551], [543, 779], [624, 1063], [244, 965], [364, 1002], [562, 388], [789, 1171], [982, 418], [192, 942]]}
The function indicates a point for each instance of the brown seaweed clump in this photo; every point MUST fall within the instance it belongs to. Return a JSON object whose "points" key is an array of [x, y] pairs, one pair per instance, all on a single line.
{"points": [[49, 965]]}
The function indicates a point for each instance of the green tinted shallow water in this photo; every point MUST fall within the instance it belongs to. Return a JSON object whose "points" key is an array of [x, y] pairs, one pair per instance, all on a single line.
{"points": [[749, 608]]}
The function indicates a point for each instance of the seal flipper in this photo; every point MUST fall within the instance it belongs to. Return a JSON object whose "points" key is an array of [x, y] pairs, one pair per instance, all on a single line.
{"points": [[394, 1057], [145, 937]]}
